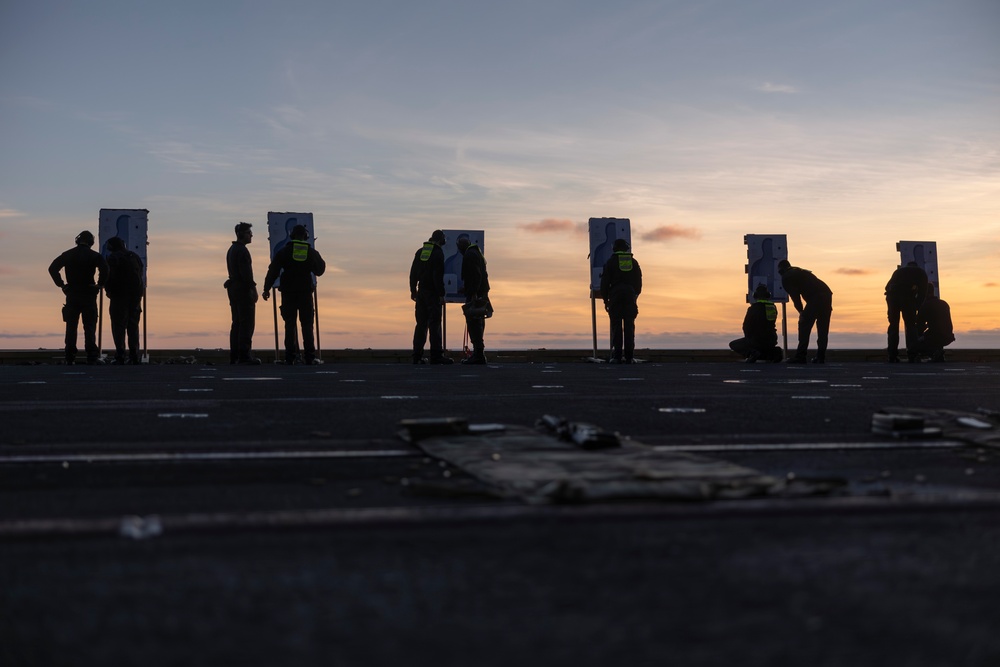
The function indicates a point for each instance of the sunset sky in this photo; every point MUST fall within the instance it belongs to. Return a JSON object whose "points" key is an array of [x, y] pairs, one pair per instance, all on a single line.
{"points": [[847, 126]]}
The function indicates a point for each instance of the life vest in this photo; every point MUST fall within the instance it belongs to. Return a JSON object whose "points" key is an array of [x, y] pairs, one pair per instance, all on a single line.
{"points": [[428, 248], [770, 310], [300, 251], [624, 260]]}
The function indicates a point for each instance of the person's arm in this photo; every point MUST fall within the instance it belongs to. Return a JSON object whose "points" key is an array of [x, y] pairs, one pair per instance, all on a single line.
{"points": [[318, 265], [57, 265], [102, 271]]}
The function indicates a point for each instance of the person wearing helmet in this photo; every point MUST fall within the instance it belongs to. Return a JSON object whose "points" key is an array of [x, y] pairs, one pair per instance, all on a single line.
{"points": [[621, 284], [297, 264], [427, 293], [124, 290], [760, 335], [802, 284], [242, 292], [476, 288], [79, 264]]}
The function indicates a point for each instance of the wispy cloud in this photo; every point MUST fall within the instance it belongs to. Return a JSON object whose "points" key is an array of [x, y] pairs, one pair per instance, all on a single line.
{"points": [[849, 271], [10, 213], [990, 284], [667, 233], [553, 225], [768, 87]]}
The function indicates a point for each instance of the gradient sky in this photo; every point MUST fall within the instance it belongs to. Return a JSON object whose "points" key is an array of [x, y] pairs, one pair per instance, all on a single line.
{"points": [[846, 125]]}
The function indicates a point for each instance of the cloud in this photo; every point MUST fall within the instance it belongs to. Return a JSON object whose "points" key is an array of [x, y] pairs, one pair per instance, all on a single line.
{"points": [[768, 87], [990, 284], [666, 233], [552, 225], [10, 213], [848, 271]]}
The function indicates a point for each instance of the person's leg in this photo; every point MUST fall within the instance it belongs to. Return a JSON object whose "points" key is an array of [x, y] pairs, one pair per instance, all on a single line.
{"points": [[909, 314], [234, 328], [434, 329], [823, 315], [421, 316], [71, 316], [306, 320], [740, 346], [118, 316], [132, 330], [628, 338], [892, 333], [247, 312], [88, 313], [477, 332], [807, 318], [289, 315]]}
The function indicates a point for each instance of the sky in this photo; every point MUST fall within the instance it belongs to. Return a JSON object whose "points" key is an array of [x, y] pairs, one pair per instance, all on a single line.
{"points": [[847, 126]]}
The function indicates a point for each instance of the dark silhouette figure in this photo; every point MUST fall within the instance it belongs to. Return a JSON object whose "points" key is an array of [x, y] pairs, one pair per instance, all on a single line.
{"points": [[477, 307], [766, 261], [242, 291], [297, 262], [124, 290], [427, 293], [81, 292], [621, 285], [934, 327], [904, 293], [760, 336], [802, 284]]}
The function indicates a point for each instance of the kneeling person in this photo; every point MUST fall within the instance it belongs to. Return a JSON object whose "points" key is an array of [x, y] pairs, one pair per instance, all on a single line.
{"points": [[760, 337]]}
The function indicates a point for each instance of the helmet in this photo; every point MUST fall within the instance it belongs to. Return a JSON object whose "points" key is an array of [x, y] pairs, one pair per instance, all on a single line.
{"points": [[299, 233]]}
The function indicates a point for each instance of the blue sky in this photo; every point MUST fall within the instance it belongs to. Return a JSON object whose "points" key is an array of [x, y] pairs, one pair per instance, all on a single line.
{"points": [[847, 126]]}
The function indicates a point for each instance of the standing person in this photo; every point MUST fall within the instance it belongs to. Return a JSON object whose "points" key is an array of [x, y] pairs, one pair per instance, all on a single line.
{"points": [[242, 291], [904, 293], [760, 335], [621, 284], [477, 298], [124, 290], [934, 328], [81, 292], [427, 292], [802, 284], [297, 262]]}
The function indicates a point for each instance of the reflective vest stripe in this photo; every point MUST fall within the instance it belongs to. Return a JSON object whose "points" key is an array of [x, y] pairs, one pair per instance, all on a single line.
{"points": [[300, 251], [425, 254]]}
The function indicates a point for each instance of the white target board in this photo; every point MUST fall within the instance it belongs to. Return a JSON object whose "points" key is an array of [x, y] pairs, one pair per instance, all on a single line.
{"points": [[453, 260], [603, 234], [279, 232], [924, 253], [131, 225], [764, 251]]}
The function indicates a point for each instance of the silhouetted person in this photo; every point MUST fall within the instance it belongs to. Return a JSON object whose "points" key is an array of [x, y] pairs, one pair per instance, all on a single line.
{"points": [[242, 291], [621, 284], [476, 287], [802, 284], [934, 327], [760, 336], [427, 292], [124, 290], [904, 293], [80, 263], [297, 262]]}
